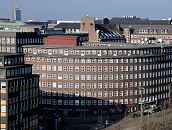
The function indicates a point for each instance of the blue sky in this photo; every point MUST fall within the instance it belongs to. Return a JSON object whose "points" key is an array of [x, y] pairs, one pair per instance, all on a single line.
{"points": [[74, 9]]}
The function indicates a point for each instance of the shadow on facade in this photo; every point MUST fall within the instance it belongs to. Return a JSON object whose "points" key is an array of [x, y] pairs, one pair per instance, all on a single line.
{"points": [[54, 108]]}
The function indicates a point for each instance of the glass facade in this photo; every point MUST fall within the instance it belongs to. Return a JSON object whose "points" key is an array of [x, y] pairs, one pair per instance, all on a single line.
{"points": [[17, 14]]}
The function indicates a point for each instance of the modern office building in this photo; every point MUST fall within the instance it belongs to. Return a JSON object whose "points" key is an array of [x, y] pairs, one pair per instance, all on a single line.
{"points": [[101, 76], [19, 93], [17, 13], [13, 41]]}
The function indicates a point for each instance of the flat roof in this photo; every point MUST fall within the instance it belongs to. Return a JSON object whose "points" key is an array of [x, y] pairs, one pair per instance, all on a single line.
{"points": [[108, 46], [69, 34]]}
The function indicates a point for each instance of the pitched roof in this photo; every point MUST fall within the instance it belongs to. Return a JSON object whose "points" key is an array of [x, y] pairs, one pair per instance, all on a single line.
{"points": [[68, 25], [130, 21]]}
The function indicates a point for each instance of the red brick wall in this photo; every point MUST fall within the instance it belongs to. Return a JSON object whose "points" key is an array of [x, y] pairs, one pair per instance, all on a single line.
{"points": [[61, 40]]}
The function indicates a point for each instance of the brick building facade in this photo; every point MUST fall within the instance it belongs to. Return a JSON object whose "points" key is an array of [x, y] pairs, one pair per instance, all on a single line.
{"points": [[66, 39], [101, 75]]}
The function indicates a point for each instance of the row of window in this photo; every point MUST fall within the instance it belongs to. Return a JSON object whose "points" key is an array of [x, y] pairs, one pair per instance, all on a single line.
{"points": [[101, 68], [7, 40], [22, 104], [152, 31], [23, 92], [102, 102], [26, 41], [103, 52], [23, 82], [20, 71], [26, 124], [8, 49], [105, 76], [61, 85], [146, 40], [13, 60], [82, 60], [104, 93]]}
